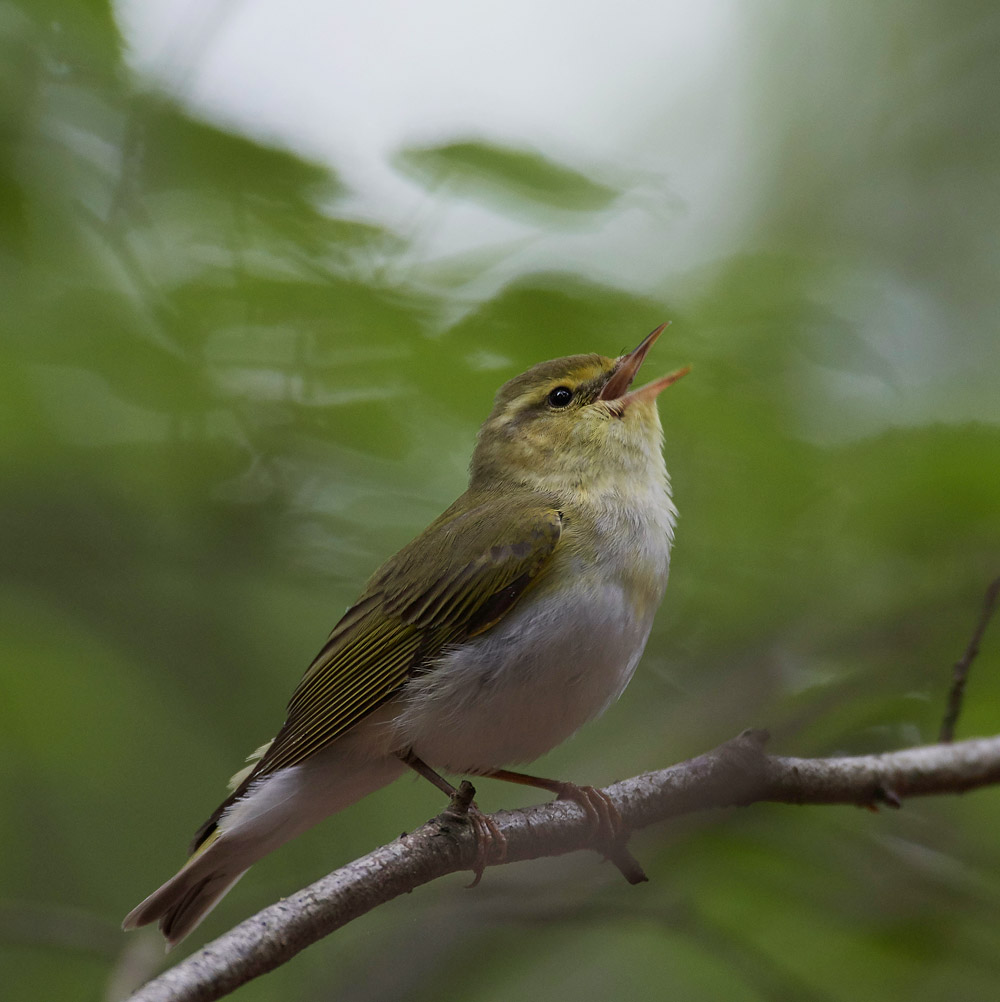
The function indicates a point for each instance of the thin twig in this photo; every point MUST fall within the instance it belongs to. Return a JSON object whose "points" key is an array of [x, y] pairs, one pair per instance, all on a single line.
{"points": [[964, 663], [735, 774]]}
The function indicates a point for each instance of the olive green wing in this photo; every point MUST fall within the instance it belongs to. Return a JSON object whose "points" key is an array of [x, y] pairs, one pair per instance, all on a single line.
{"points": [[453, 582]]}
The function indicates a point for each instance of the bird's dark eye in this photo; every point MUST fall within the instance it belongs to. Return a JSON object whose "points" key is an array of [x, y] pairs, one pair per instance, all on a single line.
{"points": [[560, 396]]}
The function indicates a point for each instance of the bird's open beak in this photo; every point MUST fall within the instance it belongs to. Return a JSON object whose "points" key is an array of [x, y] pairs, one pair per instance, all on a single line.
{"points": [[616, 388]]}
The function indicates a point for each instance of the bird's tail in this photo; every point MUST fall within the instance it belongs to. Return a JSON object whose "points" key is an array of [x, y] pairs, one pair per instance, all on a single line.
{"points": [[184, 900], [260, 815]]}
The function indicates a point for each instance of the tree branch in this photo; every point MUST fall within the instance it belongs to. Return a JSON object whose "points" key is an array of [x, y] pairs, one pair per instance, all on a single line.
{"points": [[736, 773], [960, 671]]}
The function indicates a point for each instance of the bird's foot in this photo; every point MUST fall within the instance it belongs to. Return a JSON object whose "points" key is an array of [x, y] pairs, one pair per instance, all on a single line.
{"points": [[491, 844], [608, 826]]}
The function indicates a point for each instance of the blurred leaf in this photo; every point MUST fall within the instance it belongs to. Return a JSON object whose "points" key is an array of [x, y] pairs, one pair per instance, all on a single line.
{"points": [[512, 180], [177, 151]]}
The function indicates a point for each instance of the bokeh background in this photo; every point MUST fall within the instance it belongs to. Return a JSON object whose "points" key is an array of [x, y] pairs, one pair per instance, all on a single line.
{"points": [[262, 267]]}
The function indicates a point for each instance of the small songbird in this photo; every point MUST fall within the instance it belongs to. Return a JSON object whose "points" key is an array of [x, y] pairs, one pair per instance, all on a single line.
{"points": [[516, 616]]}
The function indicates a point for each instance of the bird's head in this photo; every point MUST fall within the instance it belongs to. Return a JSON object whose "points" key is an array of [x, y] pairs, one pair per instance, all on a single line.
{"points": [[574, 423]]}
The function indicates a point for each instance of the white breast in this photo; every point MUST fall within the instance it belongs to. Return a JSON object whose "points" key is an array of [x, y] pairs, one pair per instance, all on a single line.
{"points": [[557, 660]]}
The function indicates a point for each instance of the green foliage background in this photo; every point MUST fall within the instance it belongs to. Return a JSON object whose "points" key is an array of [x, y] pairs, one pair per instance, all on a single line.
{"points": [[223, 401]]}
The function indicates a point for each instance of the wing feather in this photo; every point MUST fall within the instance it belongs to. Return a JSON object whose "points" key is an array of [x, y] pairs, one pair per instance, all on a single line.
{"points": [[455, 581]]}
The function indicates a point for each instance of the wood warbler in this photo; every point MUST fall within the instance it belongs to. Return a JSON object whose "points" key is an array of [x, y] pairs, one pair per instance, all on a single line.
{"points": [[515, 617]]}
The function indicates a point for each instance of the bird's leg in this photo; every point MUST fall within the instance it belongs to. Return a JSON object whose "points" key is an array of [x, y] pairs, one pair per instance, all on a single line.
{"points": [[606, 822], [463, 809]]}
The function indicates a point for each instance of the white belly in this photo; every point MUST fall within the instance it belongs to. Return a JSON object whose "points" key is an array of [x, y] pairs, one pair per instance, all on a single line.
{"points": [[526, 685]]}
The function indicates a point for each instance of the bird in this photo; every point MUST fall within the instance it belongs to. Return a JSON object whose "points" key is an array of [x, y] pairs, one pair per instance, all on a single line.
{"points": [[517, 616]]}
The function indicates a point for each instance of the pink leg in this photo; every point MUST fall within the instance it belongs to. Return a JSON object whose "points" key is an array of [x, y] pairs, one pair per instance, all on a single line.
{"points": [[606, 822]]}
